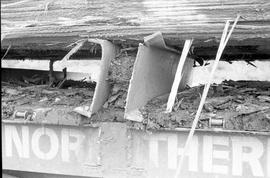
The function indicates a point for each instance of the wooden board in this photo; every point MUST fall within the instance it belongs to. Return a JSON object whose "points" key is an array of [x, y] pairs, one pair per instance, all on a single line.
{"points": [[40, 24]]}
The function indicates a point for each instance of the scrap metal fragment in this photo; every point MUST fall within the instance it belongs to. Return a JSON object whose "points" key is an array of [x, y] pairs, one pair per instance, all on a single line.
{"points": [[153, 74], [102, 88]]}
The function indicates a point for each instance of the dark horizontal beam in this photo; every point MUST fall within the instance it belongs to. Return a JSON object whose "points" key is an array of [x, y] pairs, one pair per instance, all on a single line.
{"points": [[207, 53]]}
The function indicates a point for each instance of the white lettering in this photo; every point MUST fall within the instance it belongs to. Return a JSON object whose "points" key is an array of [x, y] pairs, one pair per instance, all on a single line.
{"points": [[54, 145], [192, 154], [67, 145], [172, 151], [252, 157], [12, 136], [153, 156], [153, 148], [209, 154]]}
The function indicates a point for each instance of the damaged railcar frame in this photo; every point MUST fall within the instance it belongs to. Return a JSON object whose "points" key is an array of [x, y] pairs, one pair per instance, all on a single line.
{"points": [[45, 30], [111, 149]]}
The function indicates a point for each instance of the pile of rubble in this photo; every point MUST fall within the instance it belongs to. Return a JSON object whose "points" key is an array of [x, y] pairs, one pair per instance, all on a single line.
{"points": [[15, 97], [119, 76], [243, 105]]}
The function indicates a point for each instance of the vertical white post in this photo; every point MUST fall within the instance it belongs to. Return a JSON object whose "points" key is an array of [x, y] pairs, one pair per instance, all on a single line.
{"points": [[224, 39], [178, 75]]}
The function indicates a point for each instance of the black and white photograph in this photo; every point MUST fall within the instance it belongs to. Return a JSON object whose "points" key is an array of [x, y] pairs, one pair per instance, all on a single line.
{"points": [[135, 88]]}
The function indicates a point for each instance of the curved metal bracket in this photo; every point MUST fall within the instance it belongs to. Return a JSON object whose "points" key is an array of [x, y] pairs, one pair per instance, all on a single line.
{"points": [[153, 74], [102, 87]]}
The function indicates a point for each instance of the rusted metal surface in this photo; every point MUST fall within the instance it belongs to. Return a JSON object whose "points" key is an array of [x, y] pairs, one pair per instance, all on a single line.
{"points": [[56, 24], [114, 150]]}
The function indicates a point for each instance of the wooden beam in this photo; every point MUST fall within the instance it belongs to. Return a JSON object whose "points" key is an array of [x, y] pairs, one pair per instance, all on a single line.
{"points": [[39, 24]]}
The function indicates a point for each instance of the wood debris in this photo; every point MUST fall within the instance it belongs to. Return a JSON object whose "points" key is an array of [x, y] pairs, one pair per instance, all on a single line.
{"points": [[16, 97], [241, 107]]}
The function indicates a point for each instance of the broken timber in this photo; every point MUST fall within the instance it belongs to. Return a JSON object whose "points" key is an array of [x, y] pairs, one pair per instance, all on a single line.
{"points": [[53, 26], [178, 76]]}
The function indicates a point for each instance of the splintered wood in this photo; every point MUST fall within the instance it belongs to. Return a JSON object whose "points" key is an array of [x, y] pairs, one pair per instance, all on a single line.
{"points": [[51, 103], [178, 75], [244, 105]]}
